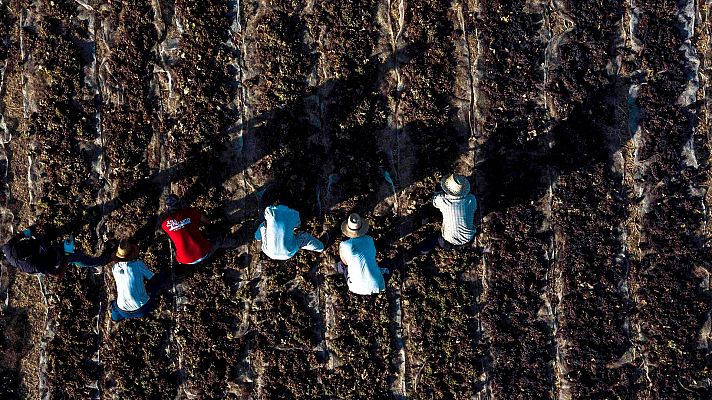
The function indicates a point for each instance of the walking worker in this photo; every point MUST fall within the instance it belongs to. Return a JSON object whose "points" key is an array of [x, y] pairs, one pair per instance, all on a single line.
{"points": [[33, 254], [358, 258], [183, 227], [132, 300], [458, 207], [280, 235]]}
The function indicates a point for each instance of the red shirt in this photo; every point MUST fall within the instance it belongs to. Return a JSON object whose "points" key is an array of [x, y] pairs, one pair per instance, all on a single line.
{"points": [[183, 227]]}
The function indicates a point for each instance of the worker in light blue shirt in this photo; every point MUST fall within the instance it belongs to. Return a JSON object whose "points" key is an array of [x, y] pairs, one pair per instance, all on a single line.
{"points": [[358, 258], [132, 300], [457, 206], [280, 236]]}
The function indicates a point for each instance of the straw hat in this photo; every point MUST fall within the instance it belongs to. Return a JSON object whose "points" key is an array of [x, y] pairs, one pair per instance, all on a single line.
{"points": [[354, 226], [455, 185], [126, 251]]}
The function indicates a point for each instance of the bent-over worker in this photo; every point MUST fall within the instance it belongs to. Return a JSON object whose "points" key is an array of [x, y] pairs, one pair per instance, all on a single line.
{"points": [[280, 235], [132, 300], [457, 206], [358, 258], [183, 227], [33, 254]]}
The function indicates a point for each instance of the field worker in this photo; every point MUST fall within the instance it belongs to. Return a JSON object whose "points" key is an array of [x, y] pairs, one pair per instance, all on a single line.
{"points": [[358, 258], [279, 233], [32, 254], [132, 300], [183, 227], [458, 207]]}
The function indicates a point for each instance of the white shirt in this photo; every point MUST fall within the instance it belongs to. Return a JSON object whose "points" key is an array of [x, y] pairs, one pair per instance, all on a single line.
{"points": [[364, 275], [129, 276], [458, 217], [277, 232]]}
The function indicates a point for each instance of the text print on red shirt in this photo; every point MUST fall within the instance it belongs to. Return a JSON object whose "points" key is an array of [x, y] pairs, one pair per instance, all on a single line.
{"points": [[174, 225]]}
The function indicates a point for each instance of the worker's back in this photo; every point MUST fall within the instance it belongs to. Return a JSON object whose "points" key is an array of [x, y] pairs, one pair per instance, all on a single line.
{"points": [[278, 239], [364, 275], [458, 217], [183, 227], [32, 255]]}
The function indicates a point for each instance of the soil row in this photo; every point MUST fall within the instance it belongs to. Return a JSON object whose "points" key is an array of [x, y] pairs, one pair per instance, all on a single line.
{"points": [[14, 324], [513, 178], [283, 321], [673, 304], [207, 312], [56, 123], [439, 298], [130, 125], [25, 314], [590, 204]]}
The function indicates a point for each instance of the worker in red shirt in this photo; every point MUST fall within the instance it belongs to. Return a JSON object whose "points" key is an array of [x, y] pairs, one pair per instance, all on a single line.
{"points": [[183, 227]]}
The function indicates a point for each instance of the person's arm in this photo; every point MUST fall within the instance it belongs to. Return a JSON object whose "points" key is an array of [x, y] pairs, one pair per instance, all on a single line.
{"points": [[258, 232], [341, 255], [437, 199]]}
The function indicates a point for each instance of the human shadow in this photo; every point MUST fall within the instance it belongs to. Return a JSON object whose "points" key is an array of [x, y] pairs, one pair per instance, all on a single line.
{"points": [[275, 131], [14, 345], [515, 173], [510, 172]]}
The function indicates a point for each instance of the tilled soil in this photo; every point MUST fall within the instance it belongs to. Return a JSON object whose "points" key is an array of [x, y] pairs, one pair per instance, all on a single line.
{"points": [[583, 128]]}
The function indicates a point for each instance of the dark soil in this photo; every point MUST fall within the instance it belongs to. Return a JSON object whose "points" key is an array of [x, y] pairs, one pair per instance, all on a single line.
{"points": [[513, 121], [214, 101]]}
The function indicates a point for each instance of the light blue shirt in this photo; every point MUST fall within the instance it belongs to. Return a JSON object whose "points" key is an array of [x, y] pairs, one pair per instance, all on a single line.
{"points": [[130, 290], [277, 232], [458, 217], [364, 275]]}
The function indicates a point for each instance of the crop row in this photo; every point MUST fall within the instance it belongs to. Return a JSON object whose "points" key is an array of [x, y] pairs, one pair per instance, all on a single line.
{"points": [[673, 157], [513, 179], [590, 205], [126, 37], [439, 300]]}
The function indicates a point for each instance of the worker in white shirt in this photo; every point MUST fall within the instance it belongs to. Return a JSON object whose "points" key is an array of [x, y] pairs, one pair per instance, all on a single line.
{"points": [[280, 235], [132, 300], [457, 206], [358, 258]]}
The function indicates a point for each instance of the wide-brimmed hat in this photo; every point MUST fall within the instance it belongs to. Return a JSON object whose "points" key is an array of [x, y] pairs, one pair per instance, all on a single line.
{"points": [[455, 185], [127, 250], [354, 226]]}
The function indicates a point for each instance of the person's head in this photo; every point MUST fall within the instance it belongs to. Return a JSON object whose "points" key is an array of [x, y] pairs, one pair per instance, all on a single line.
{"points": [[126, 251], [172, 203], [354, 226], [455, 185]]}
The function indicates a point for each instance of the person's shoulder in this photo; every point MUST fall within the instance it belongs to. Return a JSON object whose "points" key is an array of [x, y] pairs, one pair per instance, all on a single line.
{"points": [[136, 263], [369, 240], [289, 210], [346, 244], [190, 212], [362, 241]]}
